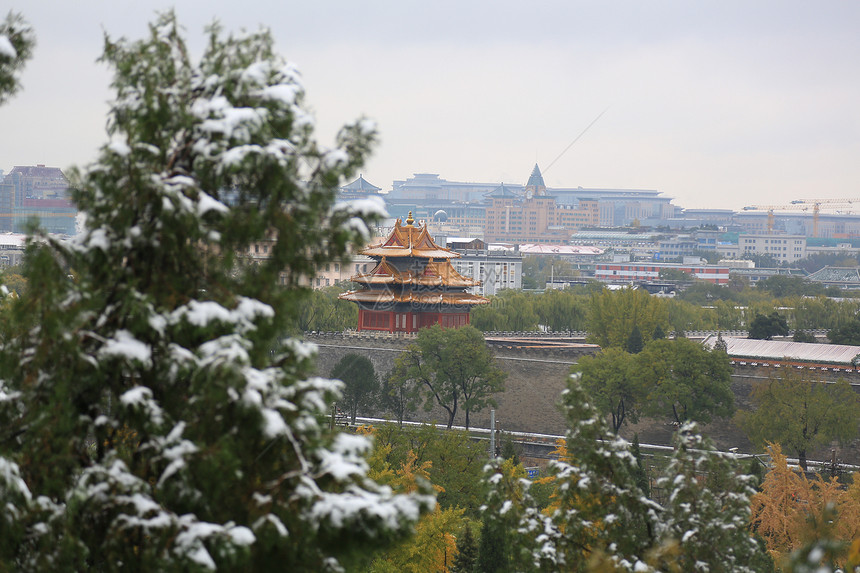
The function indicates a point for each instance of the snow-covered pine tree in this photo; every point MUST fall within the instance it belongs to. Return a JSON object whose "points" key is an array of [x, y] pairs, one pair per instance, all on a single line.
{"points": [[600, 520], [16, 46], [705, 523], [152, 417]]}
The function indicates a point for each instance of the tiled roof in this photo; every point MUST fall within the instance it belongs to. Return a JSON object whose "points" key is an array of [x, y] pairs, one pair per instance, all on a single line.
{"points": [[784, 350], [361, 184], [39, 171], [502, 192], [435, 273], [409, 241], [836, 275], [382, 296]]}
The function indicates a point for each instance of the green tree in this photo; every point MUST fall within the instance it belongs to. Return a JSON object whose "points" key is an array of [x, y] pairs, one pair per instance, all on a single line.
{"points": [[848, 333], [456, 461], [817, 261], [612, 315], [615, 390], [762, 260], [676, 275], [801, 413], [323, 311], [639, 474], [467, 552], [561, 310], [635, 344], [510, 310], [685, 380], [157, 419], [780, 286], [803, 336], [17, 41], [493, 548], [766, 327], [454, 368], [361, 386], [705, 293], [400, 395]]}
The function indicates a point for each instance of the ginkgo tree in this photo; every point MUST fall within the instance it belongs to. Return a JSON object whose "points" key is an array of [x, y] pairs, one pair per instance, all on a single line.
{"points": [[153, 417]]}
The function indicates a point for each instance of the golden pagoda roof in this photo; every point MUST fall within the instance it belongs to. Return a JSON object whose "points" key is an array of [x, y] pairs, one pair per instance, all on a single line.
{"points": [[387, 296], [435, 273], [409, 241]]}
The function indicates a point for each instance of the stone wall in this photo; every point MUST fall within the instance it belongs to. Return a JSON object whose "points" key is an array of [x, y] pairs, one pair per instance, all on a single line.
{"points": [[536, 378]]}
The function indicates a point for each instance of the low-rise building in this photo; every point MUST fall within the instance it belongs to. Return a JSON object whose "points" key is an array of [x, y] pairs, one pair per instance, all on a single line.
{"points": [[635, 272], [495, 270], [783, 248]]}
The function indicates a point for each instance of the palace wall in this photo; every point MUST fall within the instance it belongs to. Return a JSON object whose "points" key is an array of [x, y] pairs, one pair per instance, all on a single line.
{"points": [[536, 378]]}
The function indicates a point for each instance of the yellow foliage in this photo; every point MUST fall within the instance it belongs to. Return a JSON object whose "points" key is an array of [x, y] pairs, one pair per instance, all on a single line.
{"points": [[434, 546], [788, 502]]}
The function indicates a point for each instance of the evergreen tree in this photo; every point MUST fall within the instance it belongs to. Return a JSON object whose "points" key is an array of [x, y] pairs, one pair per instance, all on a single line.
{"points": [[635, 344], [706, 520], [766, 327], [152, 416], [467, 552], [639, 473], [361, 387], [509, 450], [848, 333], [492, 552], [803, 336], [600, 519], [659, 333], [16, 46]]}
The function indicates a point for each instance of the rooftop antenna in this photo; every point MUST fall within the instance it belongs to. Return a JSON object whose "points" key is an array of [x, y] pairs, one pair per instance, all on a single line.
{"points": [[575, 140]]}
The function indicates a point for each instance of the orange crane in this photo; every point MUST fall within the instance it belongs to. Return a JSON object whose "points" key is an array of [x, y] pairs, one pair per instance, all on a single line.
{"points": [[816, 206], [771, 208], [801, 205]]}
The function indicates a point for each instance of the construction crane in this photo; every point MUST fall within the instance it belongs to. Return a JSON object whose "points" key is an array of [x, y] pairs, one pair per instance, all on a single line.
{"points": [[771, 208], [801, 205], [816, 206]]}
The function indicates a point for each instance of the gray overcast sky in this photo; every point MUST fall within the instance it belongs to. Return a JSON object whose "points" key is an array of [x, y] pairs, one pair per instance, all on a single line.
{"points": [[715, 103]]}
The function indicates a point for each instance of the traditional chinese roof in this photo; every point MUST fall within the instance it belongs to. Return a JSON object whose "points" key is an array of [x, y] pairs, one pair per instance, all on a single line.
{"points": [[434, 273], [361, 184], [425, 298], [409, 241], [503, 192], [784, 350], [848, 275]]}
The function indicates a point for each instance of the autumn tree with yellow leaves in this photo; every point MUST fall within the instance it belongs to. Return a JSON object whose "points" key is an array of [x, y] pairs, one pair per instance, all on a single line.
{"points": [[807, 522], [433, 547]]}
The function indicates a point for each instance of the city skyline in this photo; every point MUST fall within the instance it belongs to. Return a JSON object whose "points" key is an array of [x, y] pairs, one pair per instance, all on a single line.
{"points": [[716, 105]]}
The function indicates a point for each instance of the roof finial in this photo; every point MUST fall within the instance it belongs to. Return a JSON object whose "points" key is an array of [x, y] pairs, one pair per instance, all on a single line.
{"points": [[409, 219]]}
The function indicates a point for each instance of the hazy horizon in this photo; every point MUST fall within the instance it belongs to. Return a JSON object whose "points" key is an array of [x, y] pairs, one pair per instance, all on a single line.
{"points": [[714, 104]]}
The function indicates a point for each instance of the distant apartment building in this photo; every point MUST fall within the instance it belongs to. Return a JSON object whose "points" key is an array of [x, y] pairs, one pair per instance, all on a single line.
{"points": [[497, 270], [37, 193], [676, 247], [534, 216], [636, 272], [576, 207], [783, 248], [325, 275]]}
